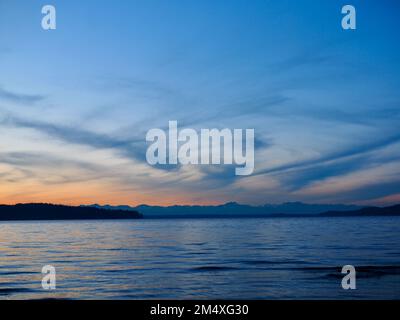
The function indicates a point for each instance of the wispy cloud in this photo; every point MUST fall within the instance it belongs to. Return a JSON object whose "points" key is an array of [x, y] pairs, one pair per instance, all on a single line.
{"points": [[20, 98], [132, 148], [47, 168], [335, 156]]}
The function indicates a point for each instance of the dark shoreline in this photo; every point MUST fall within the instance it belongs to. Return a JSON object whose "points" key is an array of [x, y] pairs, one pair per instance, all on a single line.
{"points": [[42, 211]]}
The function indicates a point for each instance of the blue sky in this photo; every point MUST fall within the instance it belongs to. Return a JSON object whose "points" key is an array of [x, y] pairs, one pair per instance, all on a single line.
{"points": [[76, 102]]}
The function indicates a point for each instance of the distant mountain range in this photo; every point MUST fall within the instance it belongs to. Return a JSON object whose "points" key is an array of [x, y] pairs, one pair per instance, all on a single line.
{"points": [[233, 209], [42, 211]]}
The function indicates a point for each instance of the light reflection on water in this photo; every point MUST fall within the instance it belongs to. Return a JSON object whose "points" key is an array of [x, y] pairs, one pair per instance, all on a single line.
{"points": [[275, 258]]}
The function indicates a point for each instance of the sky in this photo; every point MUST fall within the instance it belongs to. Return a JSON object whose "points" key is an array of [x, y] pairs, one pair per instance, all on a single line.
{"points": [[76, 102]]}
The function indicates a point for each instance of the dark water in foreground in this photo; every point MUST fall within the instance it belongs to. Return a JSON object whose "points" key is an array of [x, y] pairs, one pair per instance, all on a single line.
{"points": [[279, 258]]}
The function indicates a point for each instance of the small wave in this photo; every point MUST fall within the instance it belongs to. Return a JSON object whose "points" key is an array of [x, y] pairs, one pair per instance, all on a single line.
{"points": [[8, 291], [52, 299], [271, 262], [361, 271], [212, 268], [197, 253], [11, 273], [196, 244]]}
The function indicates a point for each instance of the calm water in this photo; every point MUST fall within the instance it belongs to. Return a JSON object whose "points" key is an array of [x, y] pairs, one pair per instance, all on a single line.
{"points": [[282, 258]]}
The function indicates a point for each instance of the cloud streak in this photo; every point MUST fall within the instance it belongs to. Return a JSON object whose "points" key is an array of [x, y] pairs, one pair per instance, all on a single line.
{"points": [[335, 156], [132, 148], [20, 98]]}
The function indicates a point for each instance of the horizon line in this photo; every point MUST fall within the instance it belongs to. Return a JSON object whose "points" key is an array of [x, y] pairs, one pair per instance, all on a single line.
{"points": [[198, 205]]}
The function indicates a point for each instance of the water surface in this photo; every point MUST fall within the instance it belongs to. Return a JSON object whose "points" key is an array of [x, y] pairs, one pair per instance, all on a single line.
{"points": [[275, 258]]}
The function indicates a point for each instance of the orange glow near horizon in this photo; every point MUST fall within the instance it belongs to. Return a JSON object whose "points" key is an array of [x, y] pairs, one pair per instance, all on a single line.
{"points": [[111, 192], [89, 193]]}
